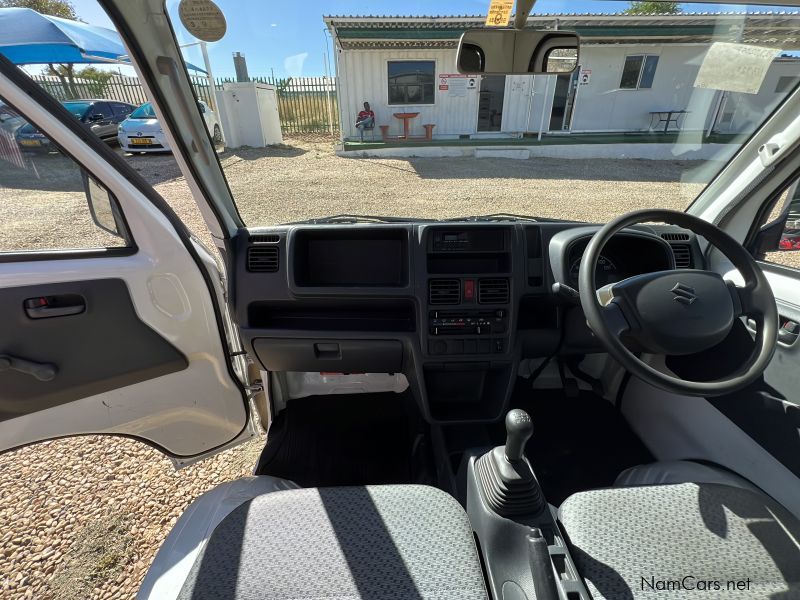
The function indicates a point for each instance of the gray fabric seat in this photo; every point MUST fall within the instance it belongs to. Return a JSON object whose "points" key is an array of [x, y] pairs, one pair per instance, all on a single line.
{"points": [[680, 471], [399, 542], [657, 541]]}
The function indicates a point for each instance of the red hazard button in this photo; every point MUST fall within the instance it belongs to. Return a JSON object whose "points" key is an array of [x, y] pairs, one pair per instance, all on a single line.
{"points": [[469, 289]]}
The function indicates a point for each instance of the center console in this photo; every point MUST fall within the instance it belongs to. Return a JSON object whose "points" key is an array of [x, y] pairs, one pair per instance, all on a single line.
{"points": [[469, 291], [524, 552], [468, 315]]}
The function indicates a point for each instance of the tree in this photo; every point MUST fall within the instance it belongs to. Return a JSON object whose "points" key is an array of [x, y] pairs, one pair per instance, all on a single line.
{"points": [[54, 8], [651, 8], [96, 88]]}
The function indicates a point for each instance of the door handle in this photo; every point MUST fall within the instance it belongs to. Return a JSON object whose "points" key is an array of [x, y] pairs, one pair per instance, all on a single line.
{"points": [[789, 332], [62, 305], [41, 371]]}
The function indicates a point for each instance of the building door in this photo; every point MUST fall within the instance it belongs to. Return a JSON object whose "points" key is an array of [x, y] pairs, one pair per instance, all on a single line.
{"points": [[564, 101], [490, 102]]}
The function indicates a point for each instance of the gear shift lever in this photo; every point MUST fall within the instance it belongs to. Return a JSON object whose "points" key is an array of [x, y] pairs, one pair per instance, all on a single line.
{"points": [[505, 476], [519, 429]]}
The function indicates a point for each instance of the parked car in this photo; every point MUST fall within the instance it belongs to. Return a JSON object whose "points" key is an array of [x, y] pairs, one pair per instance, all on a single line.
{"points": [[100, 116], [141, 131], [10, 121]]}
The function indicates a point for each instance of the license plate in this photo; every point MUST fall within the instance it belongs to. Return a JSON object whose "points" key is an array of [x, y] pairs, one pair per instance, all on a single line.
{"points": [[30, 142], [137, 141]]}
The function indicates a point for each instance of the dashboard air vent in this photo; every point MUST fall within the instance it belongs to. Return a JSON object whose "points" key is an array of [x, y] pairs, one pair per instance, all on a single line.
{"points": [[675, 237], [444, 291], [493, 291], [266, 238], [683, 256], [262, 259]]}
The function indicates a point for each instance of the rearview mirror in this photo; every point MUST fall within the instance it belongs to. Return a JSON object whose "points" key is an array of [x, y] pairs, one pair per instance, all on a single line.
{"points": [[96, 117], [103, 207], [517, 52]]}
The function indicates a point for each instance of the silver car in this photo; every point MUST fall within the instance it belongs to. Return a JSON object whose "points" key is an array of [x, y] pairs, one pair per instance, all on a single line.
{"points": [[141, 131]]}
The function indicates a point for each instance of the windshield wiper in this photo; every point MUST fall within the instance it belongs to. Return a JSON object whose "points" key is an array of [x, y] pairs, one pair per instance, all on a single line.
{"points": [[497, 218], [345, 218]]}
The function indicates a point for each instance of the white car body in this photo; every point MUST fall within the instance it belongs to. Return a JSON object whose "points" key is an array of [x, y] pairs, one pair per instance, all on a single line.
{"points": [[150, 129]]}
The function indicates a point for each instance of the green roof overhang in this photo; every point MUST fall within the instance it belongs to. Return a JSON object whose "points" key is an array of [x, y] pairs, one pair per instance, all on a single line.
{"points": [[600, 31]]}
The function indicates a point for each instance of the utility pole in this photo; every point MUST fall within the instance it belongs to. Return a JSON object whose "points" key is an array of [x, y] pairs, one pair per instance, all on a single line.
{"points": [[212, 88]]}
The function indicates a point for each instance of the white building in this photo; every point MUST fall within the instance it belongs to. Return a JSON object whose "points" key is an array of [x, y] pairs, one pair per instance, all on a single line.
{"points": [[630, 67]]}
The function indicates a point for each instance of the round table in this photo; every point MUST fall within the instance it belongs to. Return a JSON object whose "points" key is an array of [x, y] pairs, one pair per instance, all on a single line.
{"points": [[406, 117]]}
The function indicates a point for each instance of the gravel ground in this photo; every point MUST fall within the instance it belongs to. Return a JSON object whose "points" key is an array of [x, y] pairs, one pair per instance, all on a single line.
{"points": [[83, 517]]}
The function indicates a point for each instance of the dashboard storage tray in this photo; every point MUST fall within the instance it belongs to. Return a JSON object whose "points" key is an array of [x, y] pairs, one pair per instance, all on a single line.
{"points": [[329, 355]]}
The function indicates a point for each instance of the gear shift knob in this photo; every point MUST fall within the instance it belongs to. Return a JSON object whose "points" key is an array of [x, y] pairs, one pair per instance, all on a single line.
{"points": [[519, 429]]}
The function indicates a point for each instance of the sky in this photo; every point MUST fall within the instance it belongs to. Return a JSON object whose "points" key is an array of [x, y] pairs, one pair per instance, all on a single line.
{"points": [[288, 38]]}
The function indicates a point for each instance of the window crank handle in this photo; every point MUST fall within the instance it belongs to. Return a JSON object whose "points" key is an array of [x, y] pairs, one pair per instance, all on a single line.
{"points": [[41, 371]]}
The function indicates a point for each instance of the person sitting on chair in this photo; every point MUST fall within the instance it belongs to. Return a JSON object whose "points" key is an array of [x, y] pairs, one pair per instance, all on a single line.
{"points": [[365, 120]]}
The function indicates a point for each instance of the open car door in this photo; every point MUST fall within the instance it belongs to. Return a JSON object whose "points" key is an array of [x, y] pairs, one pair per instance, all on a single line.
{"points": [[125, 338]]}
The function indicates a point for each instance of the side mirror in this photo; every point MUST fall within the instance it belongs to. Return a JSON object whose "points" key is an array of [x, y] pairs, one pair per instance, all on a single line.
{"points": [[783, 233], [103, 207], [790, 239], [518, 52], [96, 117], [201, 107]]}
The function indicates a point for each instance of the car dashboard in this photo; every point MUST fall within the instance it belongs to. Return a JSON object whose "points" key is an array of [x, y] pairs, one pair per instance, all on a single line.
{"points": [[454, 306]]}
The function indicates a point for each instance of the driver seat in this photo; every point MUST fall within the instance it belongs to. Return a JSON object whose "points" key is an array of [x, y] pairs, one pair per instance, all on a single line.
{"points": [[715, 535]]}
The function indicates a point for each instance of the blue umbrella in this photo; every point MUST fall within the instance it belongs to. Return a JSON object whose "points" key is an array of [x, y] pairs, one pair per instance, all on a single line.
{"points": [[28, 37]]}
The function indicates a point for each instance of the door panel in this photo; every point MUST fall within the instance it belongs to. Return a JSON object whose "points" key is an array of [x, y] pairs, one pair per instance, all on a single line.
{"points": [[768, 410], [115, 347], [148, 357]]}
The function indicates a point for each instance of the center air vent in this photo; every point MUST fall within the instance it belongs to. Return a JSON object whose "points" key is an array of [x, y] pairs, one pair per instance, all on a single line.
{"points": [[444, 291], [262, 259], [683, 256], [493, 291]]}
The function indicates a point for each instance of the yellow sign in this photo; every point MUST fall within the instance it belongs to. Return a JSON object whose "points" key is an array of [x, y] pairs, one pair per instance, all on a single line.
{"points": [[499, 13]]}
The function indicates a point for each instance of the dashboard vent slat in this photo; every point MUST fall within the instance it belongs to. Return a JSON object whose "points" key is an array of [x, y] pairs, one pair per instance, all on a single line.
{"points": [[683, 256], [266, 238], [262, 259], [675, 237], [493, 291], [444, 291]]}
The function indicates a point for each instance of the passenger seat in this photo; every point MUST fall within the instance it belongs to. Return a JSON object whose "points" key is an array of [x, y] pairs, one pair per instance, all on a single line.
{"points": [[265, 538]]}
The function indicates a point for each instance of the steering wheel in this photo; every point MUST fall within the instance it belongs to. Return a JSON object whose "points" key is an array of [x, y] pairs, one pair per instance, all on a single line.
{"points": [[678, 312]]}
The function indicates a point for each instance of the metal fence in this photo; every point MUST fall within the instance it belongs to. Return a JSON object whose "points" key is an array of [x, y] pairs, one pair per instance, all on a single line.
{"points": [[118, 87], [305, 104]]}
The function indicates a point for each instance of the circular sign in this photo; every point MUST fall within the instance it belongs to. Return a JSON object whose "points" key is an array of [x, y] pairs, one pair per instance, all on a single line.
{"points": [[203, 19]]}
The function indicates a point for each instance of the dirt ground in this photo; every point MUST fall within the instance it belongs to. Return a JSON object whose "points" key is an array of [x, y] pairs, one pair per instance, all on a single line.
{"points": [[83, 517]]}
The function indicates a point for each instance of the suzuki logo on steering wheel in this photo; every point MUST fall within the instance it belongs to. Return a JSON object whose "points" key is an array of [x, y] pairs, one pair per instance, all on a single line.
{"points": [[683, 294]]}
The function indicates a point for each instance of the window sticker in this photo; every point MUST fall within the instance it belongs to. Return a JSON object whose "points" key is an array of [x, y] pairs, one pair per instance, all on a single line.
{"points": [[499, 13], [735, 67]]}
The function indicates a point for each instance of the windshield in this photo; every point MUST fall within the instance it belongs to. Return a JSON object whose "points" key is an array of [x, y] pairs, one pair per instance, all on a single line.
{"points": [[78, 109], [349, 108], [145, 111], [373, 117]]}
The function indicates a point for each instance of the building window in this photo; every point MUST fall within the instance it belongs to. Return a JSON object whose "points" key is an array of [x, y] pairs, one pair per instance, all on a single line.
{"points": [[412, 81], [638, 72]]}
